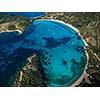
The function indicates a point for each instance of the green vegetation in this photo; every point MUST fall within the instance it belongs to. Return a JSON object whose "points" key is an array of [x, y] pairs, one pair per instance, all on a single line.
{"points": [[88, 25]]}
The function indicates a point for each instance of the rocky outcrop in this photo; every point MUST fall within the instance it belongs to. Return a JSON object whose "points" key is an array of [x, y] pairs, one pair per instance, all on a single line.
{"points": [[31, 74]]}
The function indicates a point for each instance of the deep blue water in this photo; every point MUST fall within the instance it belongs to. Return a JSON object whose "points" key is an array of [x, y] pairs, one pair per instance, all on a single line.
{"points": [[60, 48], [26, 14]]}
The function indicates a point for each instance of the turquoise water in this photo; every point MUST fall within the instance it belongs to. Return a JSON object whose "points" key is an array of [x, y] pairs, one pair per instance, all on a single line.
{"points": [[59, 46]]}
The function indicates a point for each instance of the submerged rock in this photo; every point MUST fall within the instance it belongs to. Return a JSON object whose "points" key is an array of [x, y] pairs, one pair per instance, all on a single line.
{"points": [[59, 46]]}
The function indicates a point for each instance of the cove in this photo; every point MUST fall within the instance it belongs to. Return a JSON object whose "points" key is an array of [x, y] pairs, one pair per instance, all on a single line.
{"points": [[59, 46]]}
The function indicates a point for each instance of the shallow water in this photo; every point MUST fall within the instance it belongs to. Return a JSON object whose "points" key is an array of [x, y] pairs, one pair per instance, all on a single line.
{"points": [[60, 48]]}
